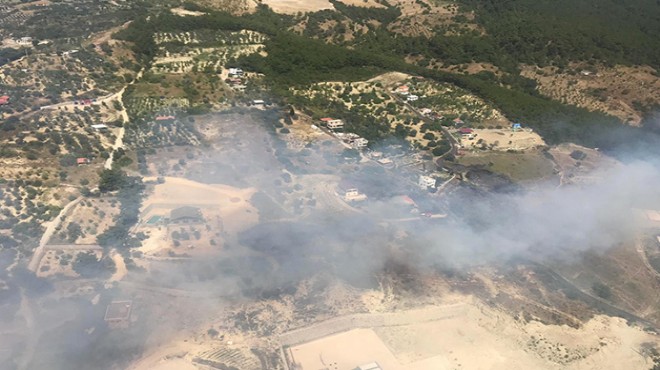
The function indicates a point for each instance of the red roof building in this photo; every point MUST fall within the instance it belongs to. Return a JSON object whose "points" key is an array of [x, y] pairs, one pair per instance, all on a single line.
{"points": [[165, 118], [80, 161], [4, 100], [465, 131]]}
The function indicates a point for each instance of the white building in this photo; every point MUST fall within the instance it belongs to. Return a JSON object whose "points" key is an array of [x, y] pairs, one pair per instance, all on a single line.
{"points": [[426, 182], [412, 97], [353, 195], [360, 143], [258, 102], [333, 124], [24, 41], [100, 127], [235, 72]]}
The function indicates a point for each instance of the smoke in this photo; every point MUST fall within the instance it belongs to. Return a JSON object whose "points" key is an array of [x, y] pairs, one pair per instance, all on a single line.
{"points": [[549, 222], [316, 234]]}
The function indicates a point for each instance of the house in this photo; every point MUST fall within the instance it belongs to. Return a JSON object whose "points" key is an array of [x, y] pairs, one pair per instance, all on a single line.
{"points": [[24, 41], [458, 122], [82, 161], [412, 97], [100, 127], [258, 102], [186, 214], [165, 118], [4, 100], [360, 143], [465, 131], [349, 192], [516, 126], [426, 182], [386, 162], [402, 90], [118, 314], [236, 72], [332, 123]]}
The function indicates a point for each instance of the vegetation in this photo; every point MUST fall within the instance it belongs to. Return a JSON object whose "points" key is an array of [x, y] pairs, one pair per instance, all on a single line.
{"points": [[130, 198]]}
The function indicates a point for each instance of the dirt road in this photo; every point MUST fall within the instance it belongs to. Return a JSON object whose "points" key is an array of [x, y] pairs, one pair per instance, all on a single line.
{"points": [[50, 230]]}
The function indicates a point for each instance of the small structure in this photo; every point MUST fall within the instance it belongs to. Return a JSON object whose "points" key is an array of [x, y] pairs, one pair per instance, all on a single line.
{"points": [[165, 118], [360, 143], [402, 90], [516, 127], [458, 122], [465, 131], [82, 161], [4, 100], [369, 366], [426, 182], [412, 97], [350, 192], [236, 72], [100, 127], [386, 162], [333, 123], [186, 214], [258, 102], [24, 41], [118, 314], [426, 111]]}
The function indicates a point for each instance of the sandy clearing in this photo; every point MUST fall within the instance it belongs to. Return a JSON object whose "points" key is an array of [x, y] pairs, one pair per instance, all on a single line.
{"points": [[177, 190], [295, 6], [391, 78], [338, 352], [184, 12], [504, 139], [120, 265], [478, 338], [363, 3], [225, 208], [176, 364]]}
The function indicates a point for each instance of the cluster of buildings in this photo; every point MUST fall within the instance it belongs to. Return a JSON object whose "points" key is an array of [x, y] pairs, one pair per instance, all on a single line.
{"points": [[404, 90], [355, 140], [235, 79], [24, 41]]}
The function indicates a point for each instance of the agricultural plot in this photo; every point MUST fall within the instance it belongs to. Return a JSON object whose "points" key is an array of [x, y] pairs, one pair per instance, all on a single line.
{"points": [[43, 79], [209, 60], [87, 219], [204, 50], [453, 102], [368, 110], [61, 133], [138, 106], [210, 37], [153, 133], [228, 358]]}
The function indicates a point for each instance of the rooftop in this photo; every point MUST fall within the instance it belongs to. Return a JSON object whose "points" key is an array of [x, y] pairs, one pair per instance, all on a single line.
{"points": [[118, 310]]}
